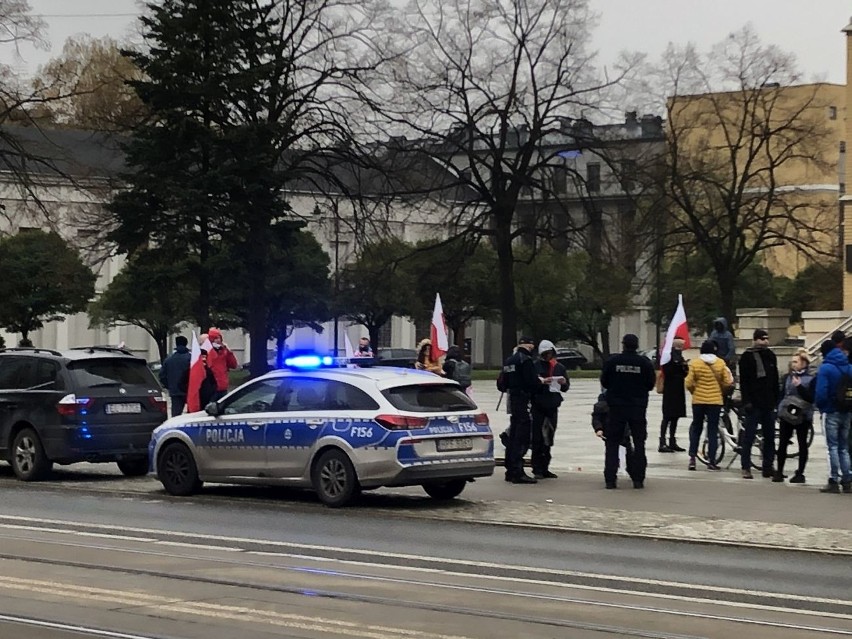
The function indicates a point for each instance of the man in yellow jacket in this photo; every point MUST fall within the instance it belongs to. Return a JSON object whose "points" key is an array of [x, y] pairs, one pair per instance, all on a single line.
{"points": [[708, 378]]}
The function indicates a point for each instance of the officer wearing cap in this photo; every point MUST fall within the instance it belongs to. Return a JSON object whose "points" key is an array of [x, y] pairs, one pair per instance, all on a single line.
{"points": [[628, 378], [522, 382]]}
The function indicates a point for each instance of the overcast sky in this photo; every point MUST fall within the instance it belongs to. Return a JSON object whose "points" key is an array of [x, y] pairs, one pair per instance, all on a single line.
{"points": [[808, 28]]}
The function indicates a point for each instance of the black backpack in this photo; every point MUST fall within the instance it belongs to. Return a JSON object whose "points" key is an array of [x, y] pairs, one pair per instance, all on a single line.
{"points": [[843, 398], [501, 382], [461, 373]]}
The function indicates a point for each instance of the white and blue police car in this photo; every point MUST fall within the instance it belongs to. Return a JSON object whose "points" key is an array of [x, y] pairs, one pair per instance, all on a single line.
{"points": [[336, 430]]}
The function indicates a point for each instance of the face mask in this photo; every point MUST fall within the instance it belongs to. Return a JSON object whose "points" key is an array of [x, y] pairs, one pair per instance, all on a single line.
{"points": [[217, 346]]}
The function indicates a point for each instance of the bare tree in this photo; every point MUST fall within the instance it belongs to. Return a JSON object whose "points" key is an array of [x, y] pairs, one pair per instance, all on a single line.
{"points": [[88, 84], [484, 88], [741, 135]]}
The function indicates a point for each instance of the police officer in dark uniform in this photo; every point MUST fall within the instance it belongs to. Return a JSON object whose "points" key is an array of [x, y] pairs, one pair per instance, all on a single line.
{"points": [[521, 381], [628, 378]]}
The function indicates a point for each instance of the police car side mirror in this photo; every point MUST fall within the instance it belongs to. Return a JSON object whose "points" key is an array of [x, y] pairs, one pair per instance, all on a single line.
{"points": [[212, 409]]}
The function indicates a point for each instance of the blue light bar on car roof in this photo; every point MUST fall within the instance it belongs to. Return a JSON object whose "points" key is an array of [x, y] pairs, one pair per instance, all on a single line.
{"points": [[308, 361]]}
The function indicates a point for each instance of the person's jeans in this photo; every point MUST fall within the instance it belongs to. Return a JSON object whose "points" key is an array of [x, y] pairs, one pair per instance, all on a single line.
{"points": [[178, 404], [837, 441], [766, 418], [711, 413]]}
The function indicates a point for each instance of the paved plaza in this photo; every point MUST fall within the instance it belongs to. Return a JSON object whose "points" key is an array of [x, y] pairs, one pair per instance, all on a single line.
{"points": [[577, 450]]}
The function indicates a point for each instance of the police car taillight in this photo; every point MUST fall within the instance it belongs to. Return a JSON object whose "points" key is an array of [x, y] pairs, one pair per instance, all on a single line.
{"points": [[400, 422], [68, 405], [481, 419]]}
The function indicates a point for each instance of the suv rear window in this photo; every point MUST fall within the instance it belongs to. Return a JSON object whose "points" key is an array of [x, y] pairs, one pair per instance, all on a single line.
{"points": [[429, 398], [91, 373]]}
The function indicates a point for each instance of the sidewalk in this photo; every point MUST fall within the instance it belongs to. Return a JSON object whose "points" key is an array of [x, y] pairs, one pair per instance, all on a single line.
{"points": [[676, 504]]}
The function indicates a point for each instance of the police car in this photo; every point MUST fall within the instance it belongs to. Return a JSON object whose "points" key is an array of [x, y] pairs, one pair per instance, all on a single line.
{"points": [[337, 430]]}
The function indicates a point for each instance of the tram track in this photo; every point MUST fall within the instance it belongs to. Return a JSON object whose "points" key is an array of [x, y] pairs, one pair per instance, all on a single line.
{"points": [[441, 574]]}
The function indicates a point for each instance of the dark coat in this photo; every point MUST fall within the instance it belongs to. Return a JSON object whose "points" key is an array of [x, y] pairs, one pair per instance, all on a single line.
{"points": [[674, 392], [175, 372], [544, 398], [760, 392], [628, 378], [520, 375]]}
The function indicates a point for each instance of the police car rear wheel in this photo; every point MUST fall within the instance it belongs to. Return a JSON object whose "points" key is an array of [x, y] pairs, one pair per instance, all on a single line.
{"points": [[334, 479], [177, 471], [446, 490]]}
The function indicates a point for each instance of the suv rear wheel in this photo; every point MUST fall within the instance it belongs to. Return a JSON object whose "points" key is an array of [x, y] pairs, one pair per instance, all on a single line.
{"points": [[28, 459], [133, 467]]}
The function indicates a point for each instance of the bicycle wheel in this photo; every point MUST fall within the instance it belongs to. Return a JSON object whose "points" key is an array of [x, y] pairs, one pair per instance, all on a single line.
{"points": [[704, 450]]}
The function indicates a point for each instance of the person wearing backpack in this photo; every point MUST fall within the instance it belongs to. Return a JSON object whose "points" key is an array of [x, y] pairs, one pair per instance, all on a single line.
{"points": [[545, 408], [834, 401], [761, 389], [456, 368]]}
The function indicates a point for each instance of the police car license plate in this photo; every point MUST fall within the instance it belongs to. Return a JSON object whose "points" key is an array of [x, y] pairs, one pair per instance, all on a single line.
{"points": [[456, 443], [122, 409]]}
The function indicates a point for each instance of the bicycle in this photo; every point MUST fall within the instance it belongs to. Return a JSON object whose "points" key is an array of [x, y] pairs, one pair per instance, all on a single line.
{"points": [[730, 435]]}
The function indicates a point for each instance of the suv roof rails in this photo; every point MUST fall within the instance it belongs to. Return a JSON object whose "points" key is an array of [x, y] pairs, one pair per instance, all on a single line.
{"points": [[30, 349], [106, 349]]}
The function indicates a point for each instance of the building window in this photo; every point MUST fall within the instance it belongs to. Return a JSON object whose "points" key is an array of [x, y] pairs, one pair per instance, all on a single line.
{"points": [[560, 180], [843, 147], [628, 175], [385, 335], [842, 188], [832, 113], [593, 177]]}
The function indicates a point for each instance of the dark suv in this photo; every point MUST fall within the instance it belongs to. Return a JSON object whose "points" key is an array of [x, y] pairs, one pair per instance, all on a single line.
{"points": [[91, 404]]}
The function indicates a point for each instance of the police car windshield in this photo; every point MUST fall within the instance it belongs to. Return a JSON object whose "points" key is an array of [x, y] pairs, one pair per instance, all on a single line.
{"points": [[429, 398]]}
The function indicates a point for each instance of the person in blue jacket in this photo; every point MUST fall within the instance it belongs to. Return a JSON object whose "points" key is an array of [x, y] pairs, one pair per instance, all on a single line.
{"points": [[835, 420]]}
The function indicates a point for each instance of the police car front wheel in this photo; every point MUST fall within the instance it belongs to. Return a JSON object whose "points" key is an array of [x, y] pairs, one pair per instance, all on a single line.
{"points": [[334, 478], [177, 471], [445, 490]]}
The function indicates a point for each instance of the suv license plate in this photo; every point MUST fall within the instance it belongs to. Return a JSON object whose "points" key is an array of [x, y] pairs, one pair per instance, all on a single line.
{"points": [[123, 409], [456, 443]]}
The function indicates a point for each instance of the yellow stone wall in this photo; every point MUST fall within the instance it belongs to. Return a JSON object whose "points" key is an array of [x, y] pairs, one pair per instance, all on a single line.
{"points": [[696, 120]]}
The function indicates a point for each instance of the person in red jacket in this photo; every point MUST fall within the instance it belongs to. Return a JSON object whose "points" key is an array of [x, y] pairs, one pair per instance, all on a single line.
{"points": [[220, 359]]}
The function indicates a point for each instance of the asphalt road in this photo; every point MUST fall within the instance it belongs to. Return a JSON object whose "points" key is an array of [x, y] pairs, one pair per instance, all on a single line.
{"points": [[146, 566]]}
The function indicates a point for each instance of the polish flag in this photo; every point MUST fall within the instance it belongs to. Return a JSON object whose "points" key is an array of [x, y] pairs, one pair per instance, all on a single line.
{"points": [[347, 345], [677, 328], [196, 376], [438, 331]]}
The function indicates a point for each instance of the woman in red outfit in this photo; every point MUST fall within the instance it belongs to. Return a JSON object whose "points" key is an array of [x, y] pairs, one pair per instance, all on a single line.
{"points": [[220, 360]]}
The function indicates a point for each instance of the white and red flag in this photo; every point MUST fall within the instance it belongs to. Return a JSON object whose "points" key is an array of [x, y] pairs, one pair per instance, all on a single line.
{"points": [[196, 376], [347, 346], [677, 328], [438, 331]]}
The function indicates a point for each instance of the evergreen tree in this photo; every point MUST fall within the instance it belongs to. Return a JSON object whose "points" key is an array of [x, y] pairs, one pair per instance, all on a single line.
{"points": [[242, 96]]}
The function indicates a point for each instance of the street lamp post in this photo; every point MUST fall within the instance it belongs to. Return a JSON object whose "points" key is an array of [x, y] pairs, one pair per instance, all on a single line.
{"points": [[336, 280]]}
